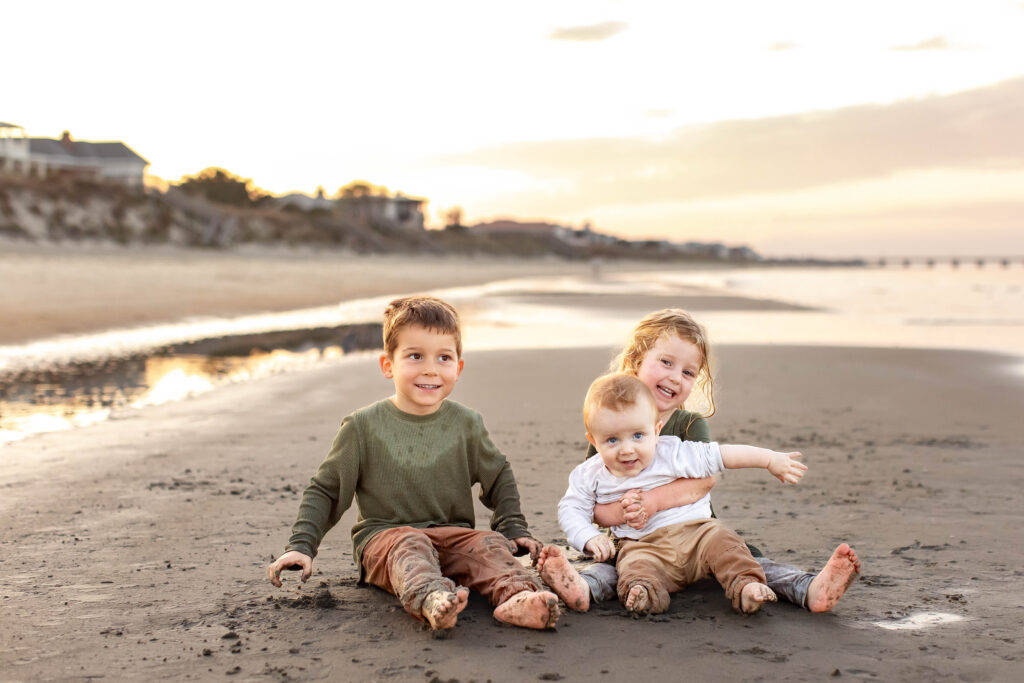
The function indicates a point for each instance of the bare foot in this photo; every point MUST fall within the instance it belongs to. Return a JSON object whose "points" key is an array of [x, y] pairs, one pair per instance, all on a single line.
{"points": [[754, 595], [563, 578], [441, 608], [638, 600], [832, 581], [529, 609]]}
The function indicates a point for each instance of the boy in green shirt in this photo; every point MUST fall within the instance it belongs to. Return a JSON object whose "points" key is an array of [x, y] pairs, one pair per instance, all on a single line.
{"points": [[411, 461]]}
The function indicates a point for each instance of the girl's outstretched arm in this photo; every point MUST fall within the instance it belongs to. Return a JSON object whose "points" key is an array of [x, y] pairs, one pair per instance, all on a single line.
{"points": [[677, 493]]}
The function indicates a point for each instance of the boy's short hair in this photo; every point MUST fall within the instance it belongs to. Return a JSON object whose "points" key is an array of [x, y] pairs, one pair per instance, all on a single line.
{"points": [[426, 311], [616, 391]]}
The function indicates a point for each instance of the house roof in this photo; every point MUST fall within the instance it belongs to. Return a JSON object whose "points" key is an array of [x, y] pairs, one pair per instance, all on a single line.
{"points": [[80, 150], [515, 226], [4, 124]]}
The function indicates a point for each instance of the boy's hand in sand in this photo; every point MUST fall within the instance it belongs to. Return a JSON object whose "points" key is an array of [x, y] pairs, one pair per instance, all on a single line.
{"points": [[601, 547], [531, 544], [633, 509], [290, 559], [786, 468]]}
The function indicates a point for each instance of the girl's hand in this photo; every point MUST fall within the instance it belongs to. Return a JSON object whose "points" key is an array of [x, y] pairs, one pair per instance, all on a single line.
{"points": [[633, 508], [291, 559], [601, 547], [786, 468]]}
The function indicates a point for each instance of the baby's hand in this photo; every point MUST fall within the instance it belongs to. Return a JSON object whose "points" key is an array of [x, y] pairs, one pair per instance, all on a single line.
{"points": [[601, 547], [786, 468]]}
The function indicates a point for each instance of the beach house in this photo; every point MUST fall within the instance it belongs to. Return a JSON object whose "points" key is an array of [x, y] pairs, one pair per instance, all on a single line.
{"points": [[44, 157], [405, 213]]}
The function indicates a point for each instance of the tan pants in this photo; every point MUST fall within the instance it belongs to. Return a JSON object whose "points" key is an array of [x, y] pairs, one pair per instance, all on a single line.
{"points": [[412, 563], [671, 558]]}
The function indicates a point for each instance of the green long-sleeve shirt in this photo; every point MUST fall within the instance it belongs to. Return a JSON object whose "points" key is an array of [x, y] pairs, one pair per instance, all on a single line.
{"points": [[408, 470]]}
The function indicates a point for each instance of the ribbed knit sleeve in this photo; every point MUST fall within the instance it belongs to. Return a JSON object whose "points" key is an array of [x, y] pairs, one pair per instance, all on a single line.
{"points": [[498, 489], [330, 491]]}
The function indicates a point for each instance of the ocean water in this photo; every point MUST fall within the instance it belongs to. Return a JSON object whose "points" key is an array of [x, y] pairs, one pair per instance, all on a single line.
{"points": [[942, 307]]}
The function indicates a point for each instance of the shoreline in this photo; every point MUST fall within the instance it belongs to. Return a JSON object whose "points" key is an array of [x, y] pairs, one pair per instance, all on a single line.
{"points": [[556, 310]]}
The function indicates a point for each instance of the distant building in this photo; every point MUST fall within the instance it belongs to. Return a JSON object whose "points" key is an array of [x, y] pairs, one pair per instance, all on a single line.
{"points": [[13, 148], [304, 202], [719, 251], [510, 227], [583, 237], [405, 213], [588, 237], [42, 157]]}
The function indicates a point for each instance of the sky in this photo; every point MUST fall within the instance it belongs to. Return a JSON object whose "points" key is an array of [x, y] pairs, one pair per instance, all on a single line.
{"points": [[818, 127]]}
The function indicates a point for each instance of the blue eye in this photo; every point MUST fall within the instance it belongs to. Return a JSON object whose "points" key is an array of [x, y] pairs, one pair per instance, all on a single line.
{"points": [[638, 435], [612, 441]]}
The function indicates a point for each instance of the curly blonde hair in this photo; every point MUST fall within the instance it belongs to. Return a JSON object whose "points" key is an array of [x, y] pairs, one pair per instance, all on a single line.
{"points": [[662, 324]]}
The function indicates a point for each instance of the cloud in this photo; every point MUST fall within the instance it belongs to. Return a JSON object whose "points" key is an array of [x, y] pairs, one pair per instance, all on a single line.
{"points": [[936, 43], [977, 128], [591, 33], [781, 47]]}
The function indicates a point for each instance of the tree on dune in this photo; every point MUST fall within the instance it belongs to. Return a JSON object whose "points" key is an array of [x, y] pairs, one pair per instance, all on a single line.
{"points": [[361, 188], [223, 187]]}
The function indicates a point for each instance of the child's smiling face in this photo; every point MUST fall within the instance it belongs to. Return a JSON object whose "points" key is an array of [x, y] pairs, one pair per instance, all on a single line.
{"points": [[626, 437], [424, 367], [669, 369]]}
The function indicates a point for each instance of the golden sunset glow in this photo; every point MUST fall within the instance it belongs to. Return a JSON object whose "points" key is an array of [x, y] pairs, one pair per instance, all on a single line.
{"points": [[796, 127]]}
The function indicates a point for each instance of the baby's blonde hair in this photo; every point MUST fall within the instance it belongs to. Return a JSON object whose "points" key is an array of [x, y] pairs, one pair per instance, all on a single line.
{"points": [[616, 391], [662, 324]]}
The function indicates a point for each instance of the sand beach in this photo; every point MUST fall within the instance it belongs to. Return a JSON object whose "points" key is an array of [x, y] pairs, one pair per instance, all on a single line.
{"points": [[134, 549]]}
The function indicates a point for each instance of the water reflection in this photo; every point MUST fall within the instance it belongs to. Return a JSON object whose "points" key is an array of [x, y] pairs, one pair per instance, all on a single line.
{"points": [[78, 395]]}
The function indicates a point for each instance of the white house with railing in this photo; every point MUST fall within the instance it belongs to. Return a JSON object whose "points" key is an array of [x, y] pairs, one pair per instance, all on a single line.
{"points": [[13, 148], [43, 157]]}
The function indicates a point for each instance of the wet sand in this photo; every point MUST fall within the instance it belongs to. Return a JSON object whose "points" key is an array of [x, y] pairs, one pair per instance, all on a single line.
{"points": [[46, 291], [135, 549]]}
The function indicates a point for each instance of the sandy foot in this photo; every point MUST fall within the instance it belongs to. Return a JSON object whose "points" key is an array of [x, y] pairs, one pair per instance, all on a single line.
{"points": [[563, 578], [638, 600], [441, 608], [832, 581], [529, 609], [754, 595]]}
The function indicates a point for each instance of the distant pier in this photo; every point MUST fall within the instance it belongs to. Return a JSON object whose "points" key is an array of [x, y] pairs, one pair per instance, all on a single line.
{"points": [[948, 261]]}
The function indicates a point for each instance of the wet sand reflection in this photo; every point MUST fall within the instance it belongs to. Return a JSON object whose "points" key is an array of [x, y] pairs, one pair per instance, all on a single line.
{"points": [[36, 401]]}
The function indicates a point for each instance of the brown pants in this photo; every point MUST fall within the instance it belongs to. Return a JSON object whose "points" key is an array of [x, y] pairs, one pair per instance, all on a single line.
{"points": [[671, 558], [412, 563]]}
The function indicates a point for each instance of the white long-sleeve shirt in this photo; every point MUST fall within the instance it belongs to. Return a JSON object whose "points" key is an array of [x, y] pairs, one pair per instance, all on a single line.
{"points": [[591, 483]]}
